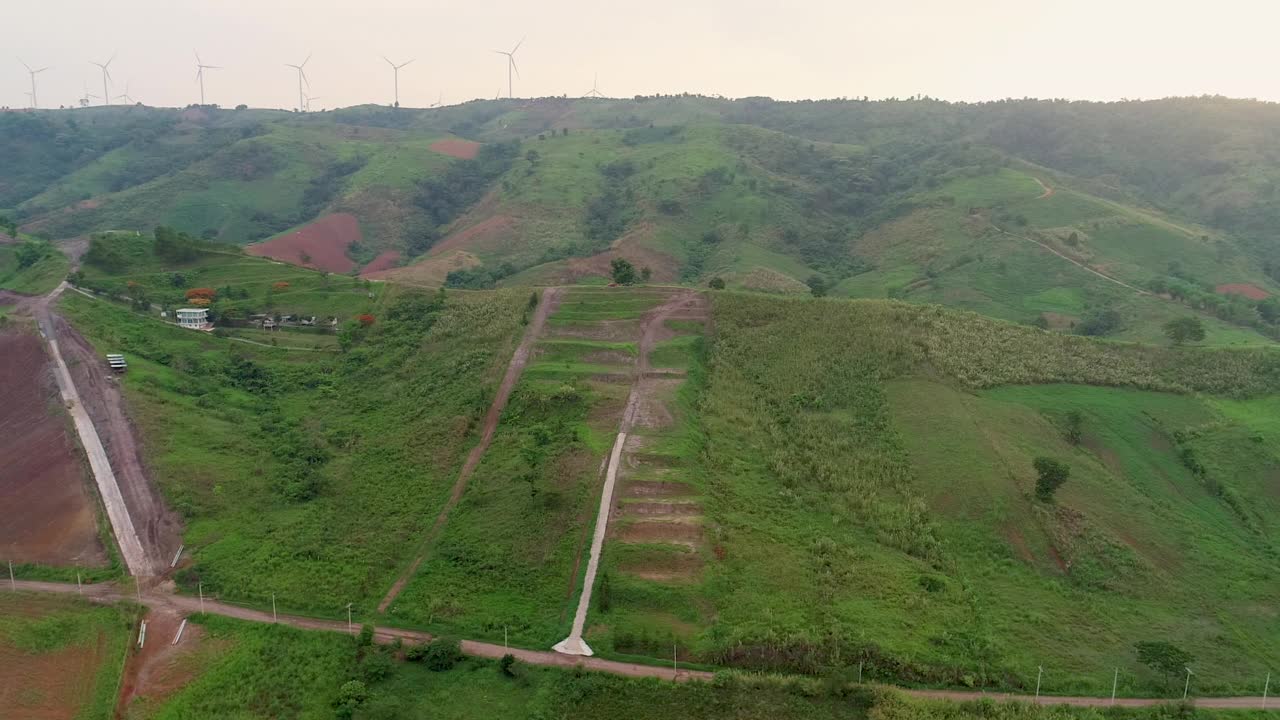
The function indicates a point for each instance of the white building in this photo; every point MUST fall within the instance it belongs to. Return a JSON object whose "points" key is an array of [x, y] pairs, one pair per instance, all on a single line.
{"points": [[194, 318]]}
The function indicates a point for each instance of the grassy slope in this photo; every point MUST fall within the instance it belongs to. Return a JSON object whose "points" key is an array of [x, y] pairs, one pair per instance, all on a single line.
{"points": [[279, 672], [32, 626], [890, 522], [383, 429], [38, 279]]}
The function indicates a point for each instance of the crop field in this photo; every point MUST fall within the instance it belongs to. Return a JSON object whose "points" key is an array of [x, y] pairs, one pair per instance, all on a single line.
{"points": [[511, 557], [60, 657], [308, 475]]}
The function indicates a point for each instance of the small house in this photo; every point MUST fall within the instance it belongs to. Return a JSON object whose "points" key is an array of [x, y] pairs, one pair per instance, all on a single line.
{"points": [[194, 318]]}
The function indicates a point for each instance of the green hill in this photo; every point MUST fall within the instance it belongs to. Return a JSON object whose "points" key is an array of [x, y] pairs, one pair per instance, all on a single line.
{"points": [[1037, 212]]}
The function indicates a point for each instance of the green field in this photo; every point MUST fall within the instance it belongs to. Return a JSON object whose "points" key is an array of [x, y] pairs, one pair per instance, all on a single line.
{"points": [[37, 278]]}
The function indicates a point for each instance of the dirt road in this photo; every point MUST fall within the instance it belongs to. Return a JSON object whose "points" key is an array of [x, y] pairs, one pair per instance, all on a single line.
{"points": [[105, 592], [651, 326], [520, 358]]}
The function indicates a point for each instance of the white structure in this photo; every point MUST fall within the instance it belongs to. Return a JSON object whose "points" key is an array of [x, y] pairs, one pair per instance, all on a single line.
{"points": [[117, 363], [194, 318]]}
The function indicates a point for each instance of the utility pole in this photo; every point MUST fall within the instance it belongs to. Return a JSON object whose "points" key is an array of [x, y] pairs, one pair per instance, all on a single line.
{"points": [[1187, 687], [200, 586], [504, 637], [675, 666], [1038, 676], [273, 608], [1265, 688], [860, 672], [348, 617], [79, 588], [13, 584], [1114, 682]]}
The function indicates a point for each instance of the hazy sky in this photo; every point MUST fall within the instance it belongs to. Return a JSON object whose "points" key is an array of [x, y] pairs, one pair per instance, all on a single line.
{"points": [[952, 49]]}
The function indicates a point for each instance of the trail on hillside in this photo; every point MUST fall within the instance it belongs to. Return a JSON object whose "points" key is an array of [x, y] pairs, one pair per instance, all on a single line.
{"points": [[186, 605], [550, 299], [1077, 263], [1048, 191], [651, 324]]}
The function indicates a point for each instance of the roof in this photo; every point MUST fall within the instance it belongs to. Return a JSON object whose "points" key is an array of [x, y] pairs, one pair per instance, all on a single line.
{"points": [[193, 310]]}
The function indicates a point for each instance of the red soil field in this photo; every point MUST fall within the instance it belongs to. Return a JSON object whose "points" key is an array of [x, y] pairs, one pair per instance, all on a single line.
{"points": [[1253, 292], [41, 475], [47, 686], [490, 231], [385, 261], [464, 149], [323, 242]]}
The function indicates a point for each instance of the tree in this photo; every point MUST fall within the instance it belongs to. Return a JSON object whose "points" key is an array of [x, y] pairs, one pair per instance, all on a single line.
{"points": [[31, 252], [1051, 475], [1100, 322], [622, 271], [817, 285], [1163, 657], [508, 665], [365, 319], [716, 283], [1182, 329], [645, 273], [1075, 427], [350, 696]]}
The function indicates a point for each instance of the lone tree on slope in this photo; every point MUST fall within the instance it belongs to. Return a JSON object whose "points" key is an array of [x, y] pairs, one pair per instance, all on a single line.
{"points": [[1163, 657], [1052, 474], [623, 272]]}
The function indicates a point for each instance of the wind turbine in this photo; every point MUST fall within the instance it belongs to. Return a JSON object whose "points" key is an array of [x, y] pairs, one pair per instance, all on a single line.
{"points": [[200, 68], [106, 77], [125, 95], [511, 65], [439, 101], [34, 105], [396, 70], [594, 92], [309, 98], [302, 78]]}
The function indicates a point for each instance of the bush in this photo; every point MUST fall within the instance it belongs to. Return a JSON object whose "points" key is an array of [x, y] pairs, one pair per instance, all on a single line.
{"points": [[507, 665], [716, 283], [439, 655], [1052, 474], [622, 271]]}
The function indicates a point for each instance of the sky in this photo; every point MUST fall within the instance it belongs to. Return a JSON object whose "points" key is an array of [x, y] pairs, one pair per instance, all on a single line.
{"points": [[949, 49]]}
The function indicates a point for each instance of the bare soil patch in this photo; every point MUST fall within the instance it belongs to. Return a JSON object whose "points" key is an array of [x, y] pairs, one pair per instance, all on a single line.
{"points": [[667, 567], [653, 410], [47, 686], [160, 668], [657, 488], [661, 531], [660, 508], [428, 272], [385, 261], [456, 147], [1253, 292], [488, 234], [601, 330], [41, 472], [321, 245]]}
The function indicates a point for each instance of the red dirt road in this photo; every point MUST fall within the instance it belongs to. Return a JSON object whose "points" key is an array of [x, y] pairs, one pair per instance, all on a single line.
{"points": [[384, 261], [550, 299], [42, 478], [464, 149], [106, 592], [324, 244]]}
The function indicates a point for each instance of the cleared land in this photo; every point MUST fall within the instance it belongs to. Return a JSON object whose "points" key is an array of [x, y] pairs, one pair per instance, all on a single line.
{"points": [[60, 657], [51, 517], [321, 244]]}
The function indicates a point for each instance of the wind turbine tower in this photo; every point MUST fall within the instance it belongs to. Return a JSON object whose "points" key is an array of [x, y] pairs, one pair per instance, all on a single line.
{"points": [[594, 92], [396, 71], [302, 78], [200, 68], [106, 78], [511, 66], [125, 95], [34, 105]]}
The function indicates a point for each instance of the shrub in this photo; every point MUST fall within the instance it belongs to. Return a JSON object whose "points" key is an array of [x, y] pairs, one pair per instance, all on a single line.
{"points": [[622, 271], [1051, 475], [439, 655], [365, 320], [1180, 330], [507, 665], [201, 293], [1163, 657], [716, 283]]}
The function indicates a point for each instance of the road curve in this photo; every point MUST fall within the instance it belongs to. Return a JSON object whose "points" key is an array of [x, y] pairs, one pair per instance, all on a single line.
{"points": [[107, 592]]}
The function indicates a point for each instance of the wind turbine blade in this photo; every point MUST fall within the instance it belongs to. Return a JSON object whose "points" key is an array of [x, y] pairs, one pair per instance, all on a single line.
{"points": [[513, 64], [384, 57], [406, 62], [304, 62], [304, 78], [517, 47], [113, 57]]}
